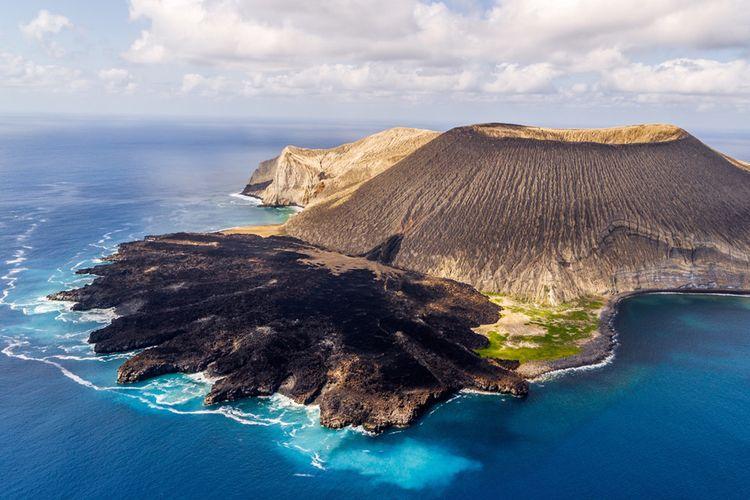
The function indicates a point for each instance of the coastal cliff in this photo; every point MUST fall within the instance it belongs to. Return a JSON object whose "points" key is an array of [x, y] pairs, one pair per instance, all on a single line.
{"points": [[301, 176], [551, 215], [372, 345]]}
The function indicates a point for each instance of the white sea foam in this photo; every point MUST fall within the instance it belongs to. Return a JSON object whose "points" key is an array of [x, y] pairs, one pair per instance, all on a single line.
{"points": [[139, 393], [14, 271], [18, 257], [9, 351], [66, 314], [105, 242], [10, 278], [104, 316], [75, 358], [202, 378], [281, 402], [317, 461], [78, 265], [42, 305], [358, 429], [249, 200], [73, 335], [83, 351], [555, 374], [740, 293], [173, 395]]}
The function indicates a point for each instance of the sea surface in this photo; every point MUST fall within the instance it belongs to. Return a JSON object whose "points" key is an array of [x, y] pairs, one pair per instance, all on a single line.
{"points": [[668, 417]]}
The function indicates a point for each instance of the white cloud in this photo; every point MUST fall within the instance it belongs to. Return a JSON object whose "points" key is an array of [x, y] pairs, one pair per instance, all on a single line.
{"points": [[19, 72], [219, 32], [368, 78], [502, 50], [209, 86], [117, 81], [376, 79], [45, 23], [211, 31], [511, 78], [683, 76], [191, 82], [42, 26], [145, 50]]}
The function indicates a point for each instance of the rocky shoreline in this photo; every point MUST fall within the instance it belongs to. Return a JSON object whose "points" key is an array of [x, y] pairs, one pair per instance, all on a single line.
{"points": [[601, 348], [370, 344]]}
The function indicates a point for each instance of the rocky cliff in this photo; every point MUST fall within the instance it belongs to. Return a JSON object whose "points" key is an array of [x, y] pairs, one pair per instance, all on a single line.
{"points": [[300, 176], [550, 215]]}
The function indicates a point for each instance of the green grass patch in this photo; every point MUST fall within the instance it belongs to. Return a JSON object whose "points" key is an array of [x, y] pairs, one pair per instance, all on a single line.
{"points": [[564, 326]]}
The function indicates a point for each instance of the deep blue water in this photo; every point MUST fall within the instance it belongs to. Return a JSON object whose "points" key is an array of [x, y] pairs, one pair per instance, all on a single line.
{"points": [[669, 417]]}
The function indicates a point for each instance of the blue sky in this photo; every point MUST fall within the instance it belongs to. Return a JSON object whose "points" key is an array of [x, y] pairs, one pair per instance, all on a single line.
{"points": [[405, 62]]}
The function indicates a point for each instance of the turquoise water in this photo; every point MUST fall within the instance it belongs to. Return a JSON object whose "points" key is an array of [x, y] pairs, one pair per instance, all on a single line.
{"points": [[669, 417]]}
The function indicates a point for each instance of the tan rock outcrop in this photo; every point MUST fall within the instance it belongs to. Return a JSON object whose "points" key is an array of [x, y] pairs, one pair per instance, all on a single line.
{"points": [[301, 176]]}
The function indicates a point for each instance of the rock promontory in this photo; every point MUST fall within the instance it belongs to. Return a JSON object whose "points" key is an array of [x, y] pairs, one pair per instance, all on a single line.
{"points": [[371, 345], [301, 176]]}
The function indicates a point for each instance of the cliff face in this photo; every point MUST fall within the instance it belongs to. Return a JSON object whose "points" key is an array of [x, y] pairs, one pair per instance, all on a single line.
{"points": [[551, 215], [300, 176]]}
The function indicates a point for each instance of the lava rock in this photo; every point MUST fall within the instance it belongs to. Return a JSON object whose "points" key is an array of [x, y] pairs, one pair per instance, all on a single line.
{"points": [[372, 345]]}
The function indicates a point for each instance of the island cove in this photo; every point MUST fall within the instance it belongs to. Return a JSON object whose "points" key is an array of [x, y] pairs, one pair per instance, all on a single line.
{"points": [[366, 302]]}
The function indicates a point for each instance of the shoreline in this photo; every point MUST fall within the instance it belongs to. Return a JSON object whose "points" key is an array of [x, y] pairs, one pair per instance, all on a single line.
{"points": [[349, 350], [261, 204], [600, 350], [596, 352], [263, 230]]}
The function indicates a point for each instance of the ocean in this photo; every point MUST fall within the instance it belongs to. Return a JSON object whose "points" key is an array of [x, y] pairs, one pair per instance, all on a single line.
{"points": [[668, 417]]}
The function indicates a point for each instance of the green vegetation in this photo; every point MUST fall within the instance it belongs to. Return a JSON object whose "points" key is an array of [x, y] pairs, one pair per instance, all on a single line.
{"points": [[559, 328]]}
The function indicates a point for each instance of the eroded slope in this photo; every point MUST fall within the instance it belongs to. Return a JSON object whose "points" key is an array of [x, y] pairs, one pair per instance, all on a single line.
{"points": [[550, 215]]}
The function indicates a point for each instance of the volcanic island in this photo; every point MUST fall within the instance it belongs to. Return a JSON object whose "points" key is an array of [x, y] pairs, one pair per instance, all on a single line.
{"points": [[426, 263]]}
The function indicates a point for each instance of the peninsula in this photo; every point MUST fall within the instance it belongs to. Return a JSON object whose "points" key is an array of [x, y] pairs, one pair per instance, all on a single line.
{"points": [[368, 302], [372, 345]]}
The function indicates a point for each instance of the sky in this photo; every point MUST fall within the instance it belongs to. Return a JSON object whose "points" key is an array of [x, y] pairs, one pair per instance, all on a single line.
{"points": [[404, 62]]}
